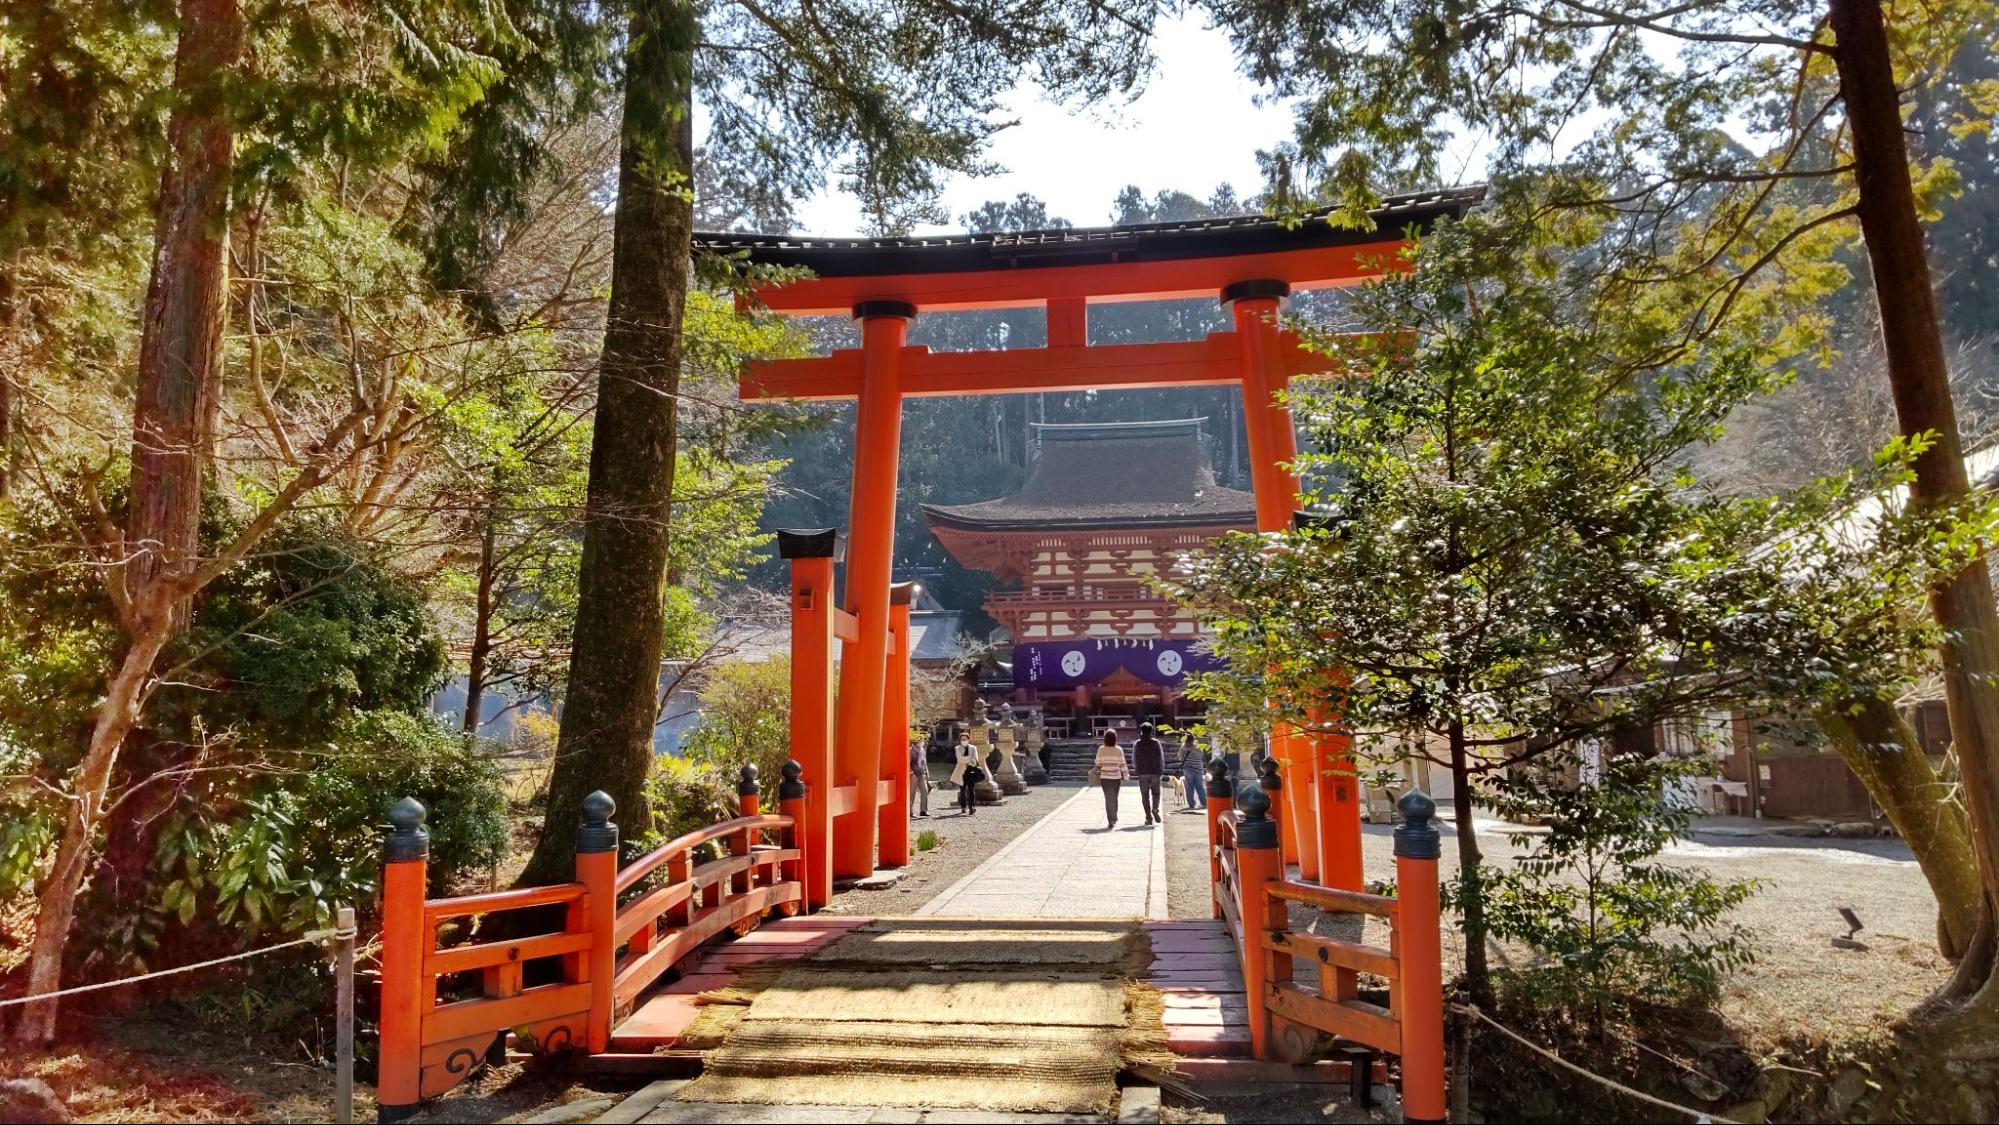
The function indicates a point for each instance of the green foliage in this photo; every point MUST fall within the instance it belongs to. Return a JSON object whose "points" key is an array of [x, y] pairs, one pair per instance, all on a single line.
{"points": [[1714, 133], [685, 795], [926, 840], [1514, 537], [310, 632], [281, 853], [891, 95], [1515, 563], [745, 720], [1613, 923]]}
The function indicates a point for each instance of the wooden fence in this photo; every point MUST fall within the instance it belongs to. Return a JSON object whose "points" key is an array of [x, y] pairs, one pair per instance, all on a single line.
{"points": [[609, 935], [1252, 892]]}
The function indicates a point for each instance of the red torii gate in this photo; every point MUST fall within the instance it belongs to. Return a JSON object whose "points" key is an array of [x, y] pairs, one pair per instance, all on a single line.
{"points": [[850, 749]]}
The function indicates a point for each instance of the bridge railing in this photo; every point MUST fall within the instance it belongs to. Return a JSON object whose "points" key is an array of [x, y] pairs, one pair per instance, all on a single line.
{"points": [[445, 1009], [1253, 894]]}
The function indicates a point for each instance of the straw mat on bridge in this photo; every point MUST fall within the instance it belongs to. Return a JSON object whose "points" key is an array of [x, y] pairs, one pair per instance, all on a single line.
{"points": [[1028, 1017]]}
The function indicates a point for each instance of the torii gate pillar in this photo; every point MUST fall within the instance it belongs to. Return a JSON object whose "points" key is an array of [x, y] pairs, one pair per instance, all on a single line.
{"points": [[857, 745], [1273, 446]]}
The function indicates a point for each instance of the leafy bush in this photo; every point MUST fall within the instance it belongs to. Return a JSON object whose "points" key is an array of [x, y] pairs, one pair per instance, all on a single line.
{"points": [[745, 718], [685, 795], [279, 856], [1615, 925]]}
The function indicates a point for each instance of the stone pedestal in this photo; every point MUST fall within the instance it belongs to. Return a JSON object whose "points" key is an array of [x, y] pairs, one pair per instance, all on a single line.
{"points": [[1008, 771], [1032, 738], [980, 734]]}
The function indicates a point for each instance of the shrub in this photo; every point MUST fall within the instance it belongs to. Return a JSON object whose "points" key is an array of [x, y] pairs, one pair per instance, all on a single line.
{"points": [[926, 840], [745, 718], [281, 856], [1614, 925], [685, 795]]}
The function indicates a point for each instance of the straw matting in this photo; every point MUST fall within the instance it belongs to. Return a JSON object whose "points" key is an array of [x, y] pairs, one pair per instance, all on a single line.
{"points": [[1034, 1016], [1004, 1067], [922, 996]]}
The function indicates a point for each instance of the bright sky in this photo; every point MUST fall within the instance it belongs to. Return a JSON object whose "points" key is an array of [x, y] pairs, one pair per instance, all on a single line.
{"points": [[1195, 126]]}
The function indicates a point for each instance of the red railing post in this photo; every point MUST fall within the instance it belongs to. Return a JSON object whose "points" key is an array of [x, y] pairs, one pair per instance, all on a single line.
{"points": [[749, 801], [597, 870], [406, 993], [1259, 859], [1221, 798], [791, 803], [1418, 933]]}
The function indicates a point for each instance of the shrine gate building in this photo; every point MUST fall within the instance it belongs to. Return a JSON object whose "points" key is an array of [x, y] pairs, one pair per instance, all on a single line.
{"points": [[1104, 507]]}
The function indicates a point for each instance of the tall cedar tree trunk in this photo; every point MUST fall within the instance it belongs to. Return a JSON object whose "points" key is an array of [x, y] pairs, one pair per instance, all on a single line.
{"points": [[606, 736], [482, 634], [1920, 382], [179, 363], [1471, 878], [1884, 752]]}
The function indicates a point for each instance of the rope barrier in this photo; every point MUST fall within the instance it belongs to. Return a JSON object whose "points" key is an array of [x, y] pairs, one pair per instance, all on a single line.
{"points": [[315, 937], [1699, 1115]]}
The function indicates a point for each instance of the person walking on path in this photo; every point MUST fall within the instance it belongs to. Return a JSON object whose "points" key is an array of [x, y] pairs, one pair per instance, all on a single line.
{"points": [[1109, 771], [1148, 764], [1193, 773], [966, 775], [919, 779]]}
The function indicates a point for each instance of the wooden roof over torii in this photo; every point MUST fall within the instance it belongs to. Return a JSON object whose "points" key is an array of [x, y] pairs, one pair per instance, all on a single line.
{"points": [[1066, 270]]}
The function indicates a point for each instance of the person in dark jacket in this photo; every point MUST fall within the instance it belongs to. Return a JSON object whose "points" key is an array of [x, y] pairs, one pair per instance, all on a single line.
{"points": [[1193, 774], [1148, 763]]}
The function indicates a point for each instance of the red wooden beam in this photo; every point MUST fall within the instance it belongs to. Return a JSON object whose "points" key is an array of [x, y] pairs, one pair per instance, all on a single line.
{"points": [[1313, 268], [1075, 367]]}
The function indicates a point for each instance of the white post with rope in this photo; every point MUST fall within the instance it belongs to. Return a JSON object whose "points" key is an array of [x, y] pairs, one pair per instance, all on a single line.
{"points": [[343, 1017]]}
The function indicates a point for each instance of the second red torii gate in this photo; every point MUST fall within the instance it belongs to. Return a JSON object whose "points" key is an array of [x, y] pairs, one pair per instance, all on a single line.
{"points": [[851, 747]]}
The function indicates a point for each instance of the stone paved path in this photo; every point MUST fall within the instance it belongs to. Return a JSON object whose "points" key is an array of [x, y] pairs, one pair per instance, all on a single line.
{"points": [[654, 1105], [1069, 866]]}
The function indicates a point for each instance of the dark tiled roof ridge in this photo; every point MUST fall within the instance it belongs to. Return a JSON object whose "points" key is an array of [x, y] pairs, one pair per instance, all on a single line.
{"points": [[1116, 430], [1391, 206], [1117, 475]]}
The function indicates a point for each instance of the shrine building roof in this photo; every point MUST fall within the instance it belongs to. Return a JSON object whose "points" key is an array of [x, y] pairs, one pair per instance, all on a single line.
{"points": [[1078, 246], [1110, 475]]}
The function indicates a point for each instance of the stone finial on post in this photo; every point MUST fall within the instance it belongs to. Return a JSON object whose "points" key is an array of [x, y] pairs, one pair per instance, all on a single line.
{"points": [[1272, 784], [597, 870], [749, 795], [1259, 861], [792, 787], [1418, 845], [1221, 777], [405, 943]]}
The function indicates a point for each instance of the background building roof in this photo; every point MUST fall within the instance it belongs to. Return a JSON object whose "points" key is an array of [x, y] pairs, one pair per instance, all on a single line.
{"points": [[1110, 474]]}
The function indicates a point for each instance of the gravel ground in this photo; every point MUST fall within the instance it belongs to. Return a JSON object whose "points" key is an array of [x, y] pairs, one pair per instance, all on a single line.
{"points": [[1187, 891], [1799, 982], [1263, 1103], [963, 842]]}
